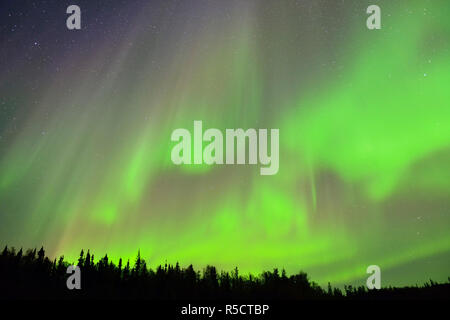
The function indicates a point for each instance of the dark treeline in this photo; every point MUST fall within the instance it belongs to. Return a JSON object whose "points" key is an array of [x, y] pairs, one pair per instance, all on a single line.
{"points": [[32, 275]]}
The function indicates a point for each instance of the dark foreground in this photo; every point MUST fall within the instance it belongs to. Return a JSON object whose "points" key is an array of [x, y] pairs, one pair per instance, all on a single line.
{"points": [[32, 275]]}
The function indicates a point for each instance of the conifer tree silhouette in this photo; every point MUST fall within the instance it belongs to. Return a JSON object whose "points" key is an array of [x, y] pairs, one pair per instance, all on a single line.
{"points": [[34, 275]]}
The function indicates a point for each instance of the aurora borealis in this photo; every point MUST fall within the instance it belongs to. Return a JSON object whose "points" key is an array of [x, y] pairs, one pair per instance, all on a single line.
{"points": [[363, 117]]}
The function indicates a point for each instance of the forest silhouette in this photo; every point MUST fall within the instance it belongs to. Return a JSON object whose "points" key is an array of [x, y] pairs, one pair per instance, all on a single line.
{"points": [[32, 275]]}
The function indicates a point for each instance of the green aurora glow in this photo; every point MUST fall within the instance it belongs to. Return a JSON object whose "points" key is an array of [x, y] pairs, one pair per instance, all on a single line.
{"points": [[364, 119]]}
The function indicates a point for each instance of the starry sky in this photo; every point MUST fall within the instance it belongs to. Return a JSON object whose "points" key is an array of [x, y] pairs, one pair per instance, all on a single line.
{"points": [[364, 178]]}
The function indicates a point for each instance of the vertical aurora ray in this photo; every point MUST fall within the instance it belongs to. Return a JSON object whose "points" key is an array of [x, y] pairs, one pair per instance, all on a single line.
{"points": [[364, 138]]}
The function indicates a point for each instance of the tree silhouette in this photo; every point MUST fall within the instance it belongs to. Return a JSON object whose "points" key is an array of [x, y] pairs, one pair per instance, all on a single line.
{"points": [[32, 275]]}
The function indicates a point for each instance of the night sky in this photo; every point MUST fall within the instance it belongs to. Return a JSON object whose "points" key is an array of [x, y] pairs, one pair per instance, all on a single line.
{"points": [[364, 117]]}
